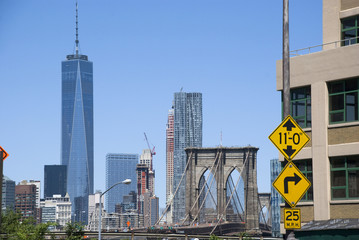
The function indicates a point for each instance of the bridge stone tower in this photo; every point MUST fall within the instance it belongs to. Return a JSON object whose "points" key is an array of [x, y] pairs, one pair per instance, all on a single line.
{"points": [[221, 161]]}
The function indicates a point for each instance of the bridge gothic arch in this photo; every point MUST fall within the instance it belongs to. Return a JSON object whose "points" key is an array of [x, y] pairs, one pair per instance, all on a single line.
{"points": [[221, 162]]}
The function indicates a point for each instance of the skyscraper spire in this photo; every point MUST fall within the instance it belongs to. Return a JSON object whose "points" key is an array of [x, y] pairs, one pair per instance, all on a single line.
{"points": [[77, 31]]}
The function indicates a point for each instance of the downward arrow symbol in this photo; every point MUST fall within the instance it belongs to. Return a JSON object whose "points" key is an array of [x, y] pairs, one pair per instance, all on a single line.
{"points": [[289, 151]]}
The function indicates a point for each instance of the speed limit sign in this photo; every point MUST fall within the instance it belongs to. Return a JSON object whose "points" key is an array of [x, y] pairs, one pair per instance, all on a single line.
{"points": [[292, 218]]}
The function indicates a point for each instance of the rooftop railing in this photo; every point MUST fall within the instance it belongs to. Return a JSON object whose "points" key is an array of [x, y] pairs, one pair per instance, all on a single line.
{"points": [[318, 48]]}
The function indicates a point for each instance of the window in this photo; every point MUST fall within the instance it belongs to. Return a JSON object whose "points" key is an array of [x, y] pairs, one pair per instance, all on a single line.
{"points": [[305, 166], [350, 28], [344, 173], [300, 106], [343, 101]]}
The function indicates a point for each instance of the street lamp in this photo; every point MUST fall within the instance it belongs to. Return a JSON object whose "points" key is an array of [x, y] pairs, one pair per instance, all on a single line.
{"points": [[127, 181]]}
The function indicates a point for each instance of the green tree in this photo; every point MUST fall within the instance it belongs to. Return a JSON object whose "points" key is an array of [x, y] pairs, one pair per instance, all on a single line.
{"points": [[25, 230], [214, 237], [74, 231]]}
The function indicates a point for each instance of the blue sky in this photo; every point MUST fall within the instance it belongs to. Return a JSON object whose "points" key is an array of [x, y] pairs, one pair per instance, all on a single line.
{"points": [[143, 51]]}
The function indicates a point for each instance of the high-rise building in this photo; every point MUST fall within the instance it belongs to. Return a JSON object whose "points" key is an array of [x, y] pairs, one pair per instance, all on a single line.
{"points": [[187, 133], [25, 201], [8, 193], [77, 130], [276, 199], [37, 183], [128, 204], [169, 155], [119, 166], [146, 158], [154, 203], [55, 180], [324, 101]]}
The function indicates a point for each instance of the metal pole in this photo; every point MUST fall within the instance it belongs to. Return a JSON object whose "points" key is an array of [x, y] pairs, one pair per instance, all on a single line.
{"points": [[286, 82], [286, 73], [127, 181], [99, 222], [1, 178]]}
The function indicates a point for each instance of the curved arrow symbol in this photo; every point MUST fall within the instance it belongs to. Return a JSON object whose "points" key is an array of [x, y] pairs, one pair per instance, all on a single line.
{"points": [[296, 179]]}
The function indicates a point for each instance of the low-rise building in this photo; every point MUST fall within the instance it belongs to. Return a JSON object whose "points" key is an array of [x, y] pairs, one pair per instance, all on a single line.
{"points": [[56, 209]]}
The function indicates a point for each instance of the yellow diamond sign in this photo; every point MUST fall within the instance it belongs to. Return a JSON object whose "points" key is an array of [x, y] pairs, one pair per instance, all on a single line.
{"points": [[291, 184], [289, 138]]}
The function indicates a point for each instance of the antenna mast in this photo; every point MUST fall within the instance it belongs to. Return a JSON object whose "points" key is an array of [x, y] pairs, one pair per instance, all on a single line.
{"points": [[77, 31]]}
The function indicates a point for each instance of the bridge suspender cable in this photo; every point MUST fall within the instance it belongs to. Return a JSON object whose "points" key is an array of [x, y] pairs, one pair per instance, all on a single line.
{"points": [[230, 198], [179, 184], [264, 217], [237, 199], [200, 193], [205, 197]]}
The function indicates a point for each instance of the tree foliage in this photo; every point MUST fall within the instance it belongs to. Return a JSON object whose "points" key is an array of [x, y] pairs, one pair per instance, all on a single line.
{"points": [[74, 231], [13, 228]]}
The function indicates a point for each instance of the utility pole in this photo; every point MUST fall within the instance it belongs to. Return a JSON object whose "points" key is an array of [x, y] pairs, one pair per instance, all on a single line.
{"points": [[286, 82]]}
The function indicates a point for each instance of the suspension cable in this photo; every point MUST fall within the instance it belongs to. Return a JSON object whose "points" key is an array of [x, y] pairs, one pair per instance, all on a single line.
{"points": [[194, 204], [230, 198], [210, 193], [179, 184], [260, 205], [237, 198], [239, 201], [204, 200]]}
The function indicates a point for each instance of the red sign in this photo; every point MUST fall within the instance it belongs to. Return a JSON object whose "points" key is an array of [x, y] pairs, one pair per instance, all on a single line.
{"points": [[4, 153]]}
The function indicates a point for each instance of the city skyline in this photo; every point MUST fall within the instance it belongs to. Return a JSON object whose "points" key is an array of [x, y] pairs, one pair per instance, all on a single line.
{"points": [[144, 53]]}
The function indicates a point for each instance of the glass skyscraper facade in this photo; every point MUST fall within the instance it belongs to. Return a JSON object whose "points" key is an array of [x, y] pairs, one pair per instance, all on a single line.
{"points": [[119, 166], [55, 180], [187, 133], [8, 194], [77, 132], [276, 199]]}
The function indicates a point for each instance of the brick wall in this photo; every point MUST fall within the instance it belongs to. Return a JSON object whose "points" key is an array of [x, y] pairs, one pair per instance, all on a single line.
{"points": [[343, 135], [344, 210]]}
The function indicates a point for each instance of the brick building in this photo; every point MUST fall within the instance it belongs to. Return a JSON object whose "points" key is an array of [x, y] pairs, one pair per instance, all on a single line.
{"points": [[25, 201]]}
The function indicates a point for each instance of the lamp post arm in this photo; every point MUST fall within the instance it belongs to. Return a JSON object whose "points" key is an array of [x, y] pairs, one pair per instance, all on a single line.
{"points": [[127, 181], [110, 188]]}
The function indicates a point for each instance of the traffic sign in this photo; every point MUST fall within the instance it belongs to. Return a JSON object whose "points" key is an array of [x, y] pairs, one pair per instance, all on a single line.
{"points": [[291, 184], [292, 218], [4, 153], [289, 138]]}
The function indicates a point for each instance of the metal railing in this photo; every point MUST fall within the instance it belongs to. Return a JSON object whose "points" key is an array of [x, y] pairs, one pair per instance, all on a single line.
{"points": [[318, 48], [152, 236]]}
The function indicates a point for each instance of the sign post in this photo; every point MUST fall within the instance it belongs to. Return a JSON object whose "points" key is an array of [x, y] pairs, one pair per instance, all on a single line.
{"points": [[291, 183], [3, 155]]}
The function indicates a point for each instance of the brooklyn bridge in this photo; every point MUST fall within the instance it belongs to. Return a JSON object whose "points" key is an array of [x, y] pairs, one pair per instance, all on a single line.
{"points": [[221, 194]]}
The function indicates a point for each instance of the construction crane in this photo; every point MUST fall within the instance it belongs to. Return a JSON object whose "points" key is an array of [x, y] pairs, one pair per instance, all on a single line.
{"points": [[151, 151]]}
